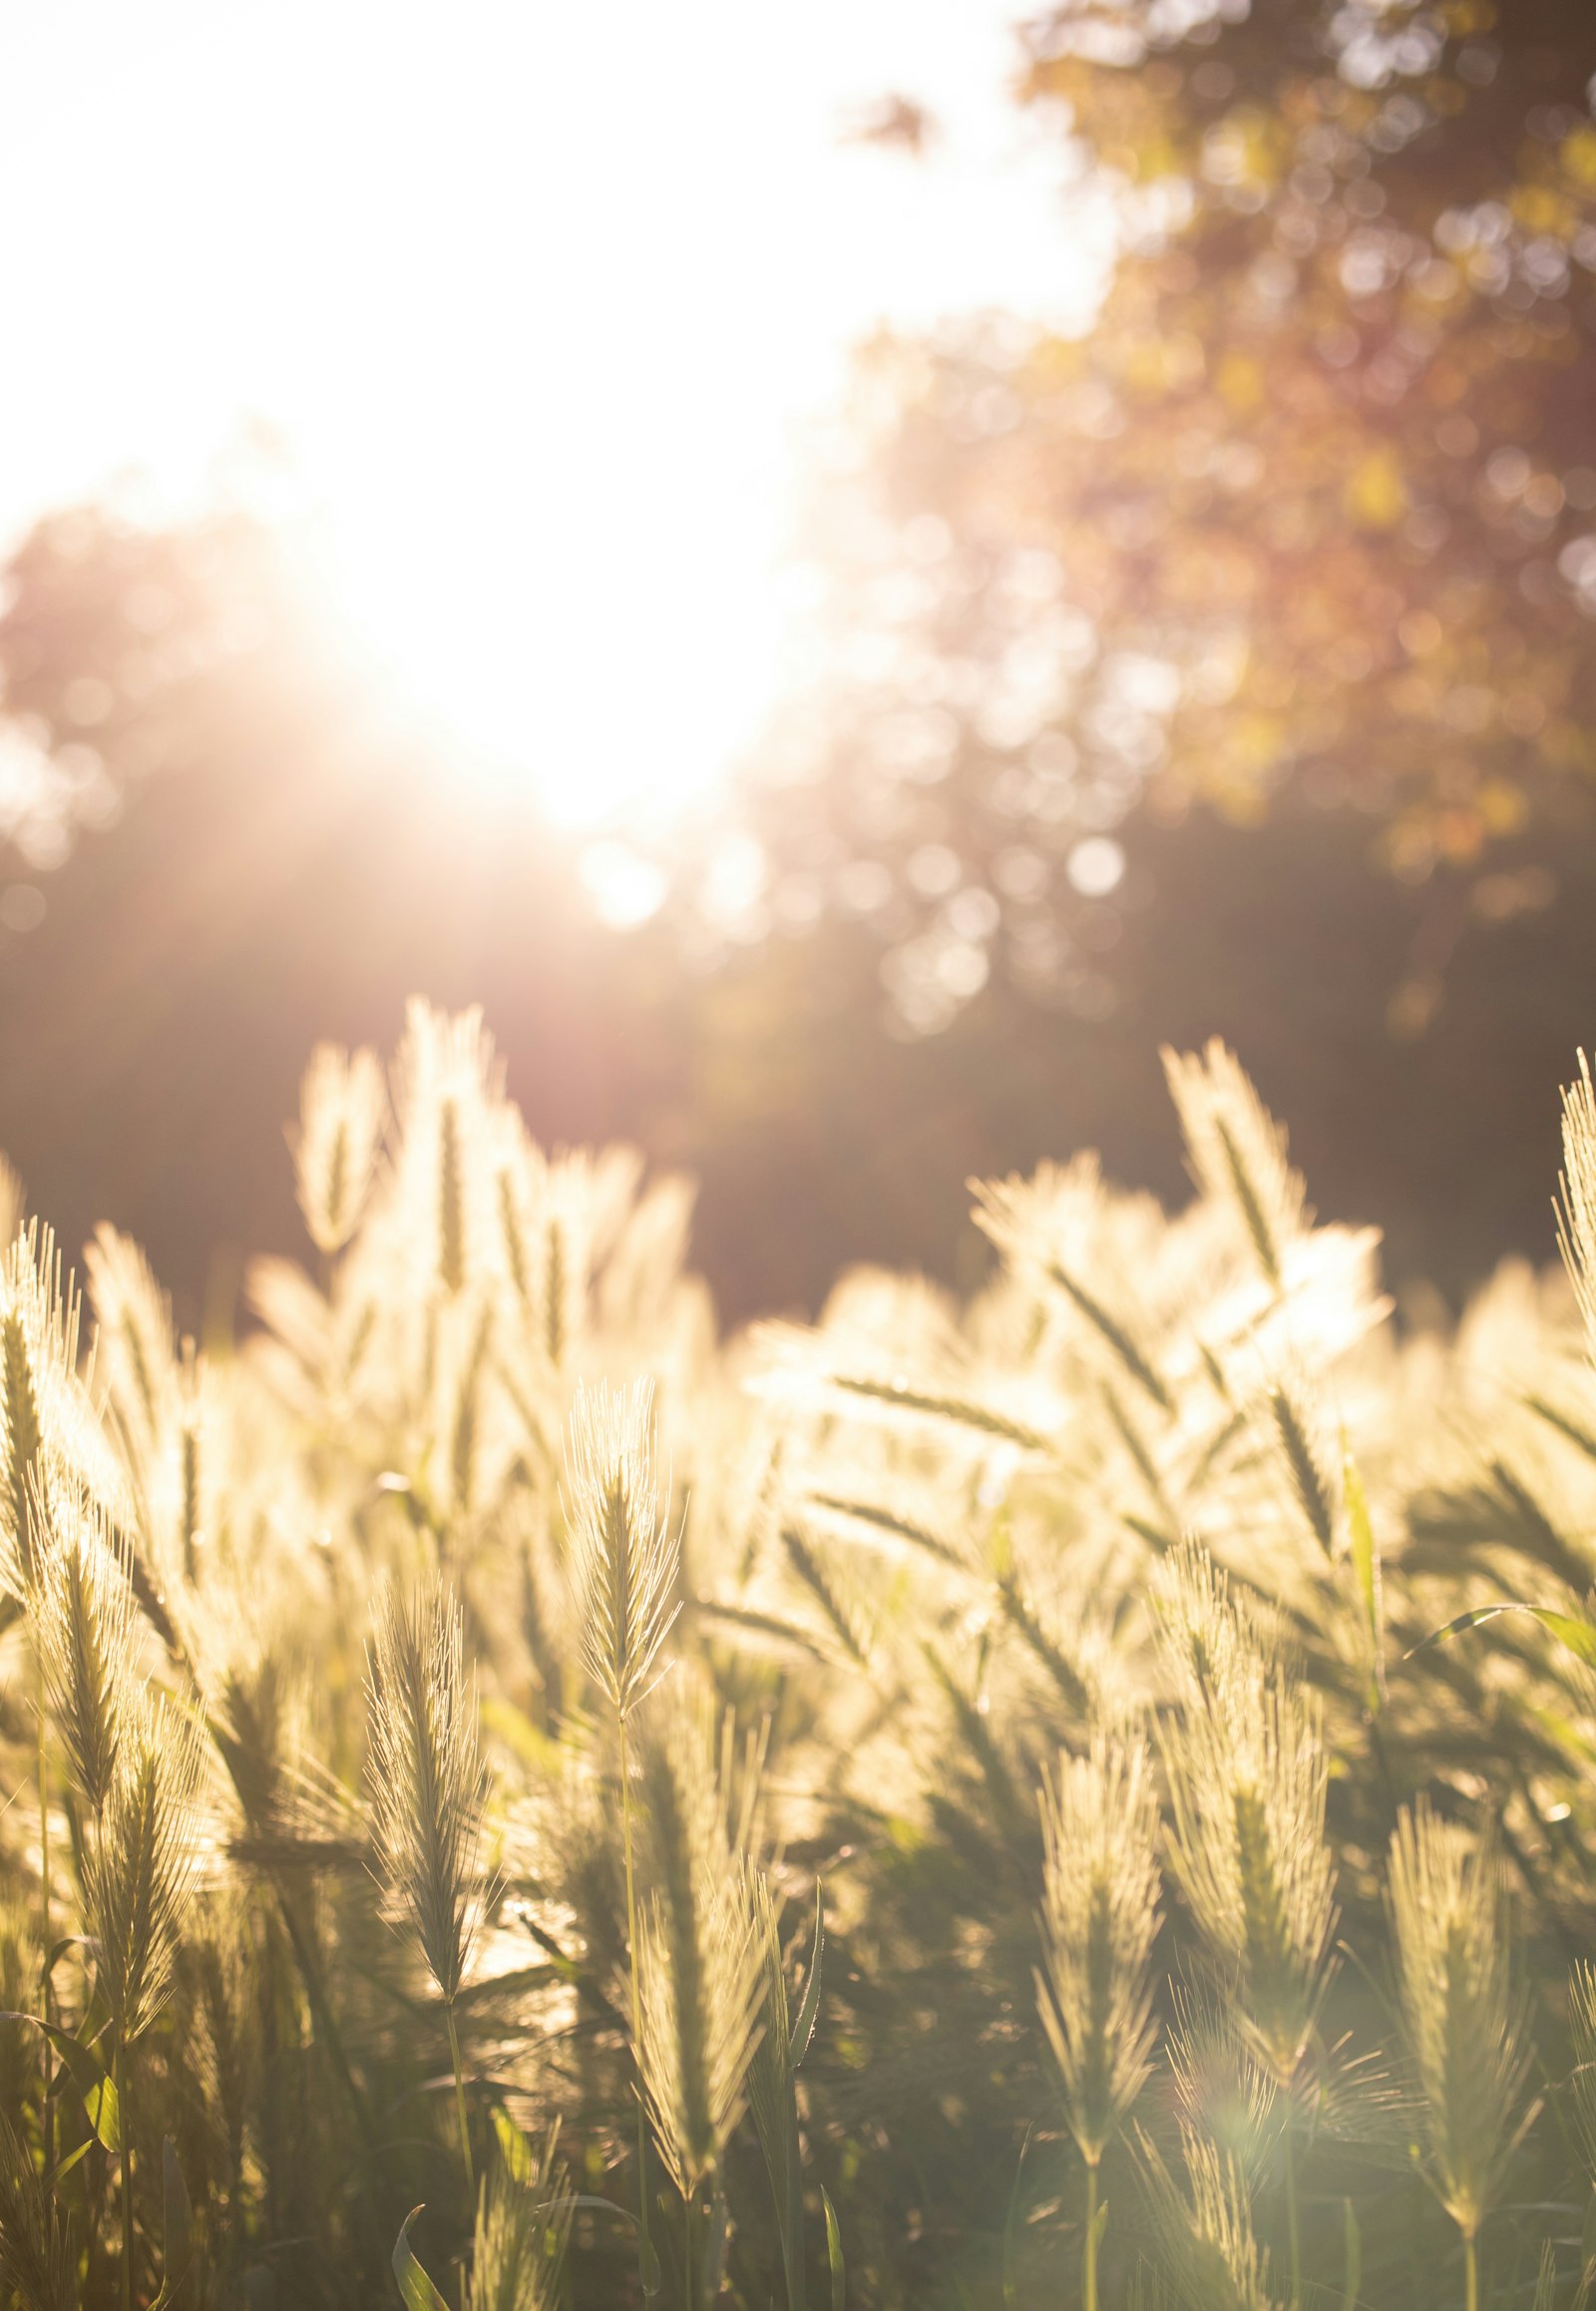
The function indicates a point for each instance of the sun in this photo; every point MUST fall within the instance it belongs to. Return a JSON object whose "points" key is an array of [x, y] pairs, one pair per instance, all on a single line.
{"points": [[537, 300]]}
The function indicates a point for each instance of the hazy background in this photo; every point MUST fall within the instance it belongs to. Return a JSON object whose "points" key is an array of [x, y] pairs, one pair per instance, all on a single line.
{"points": [[845, 576]]}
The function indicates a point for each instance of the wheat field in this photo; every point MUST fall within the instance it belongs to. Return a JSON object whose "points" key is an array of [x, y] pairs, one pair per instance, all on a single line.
{"points": [[1085, 1797]]}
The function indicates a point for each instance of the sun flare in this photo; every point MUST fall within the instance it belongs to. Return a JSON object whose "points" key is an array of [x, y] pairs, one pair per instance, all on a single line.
{"points": [[538, 313]]}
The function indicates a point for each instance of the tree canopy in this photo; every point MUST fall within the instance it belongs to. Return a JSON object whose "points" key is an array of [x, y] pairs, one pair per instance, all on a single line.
{"points": [[1309, 510]]}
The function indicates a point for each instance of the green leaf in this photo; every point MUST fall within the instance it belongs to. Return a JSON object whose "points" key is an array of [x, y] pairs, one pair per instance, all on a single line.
{"points": [[1352, 2257], [1011, 2220], [416, 2289], [1578, 1635], [514, 2149], [803, 2029], [93, 2083], [839, 2272]]}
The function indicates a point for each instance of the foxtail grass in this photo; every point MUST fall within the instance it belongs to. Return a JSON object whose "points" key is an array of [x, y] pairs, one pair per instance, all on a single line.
{"points": [[1248, 1774], [1237, 1152], [343, 1108], [701, 1959], [429, 1787], [522, 2226], [1099, 1920], [629, 1574], [1463, 2015]]}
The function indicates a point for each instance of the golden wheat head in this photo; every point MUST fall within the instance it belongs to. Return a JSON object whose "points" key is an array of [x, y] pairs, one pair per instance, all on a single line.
{"points": [[427, 1780], [627, 1562], [1099, 1920], [1464, 2019]]}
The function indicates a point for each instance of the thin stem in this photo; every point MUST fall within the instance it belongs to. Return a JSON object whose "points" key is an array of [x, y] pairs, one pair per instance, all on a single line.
{"points": [[1089, 2277], [125, 2129], [45, 2003], [643, 2256], [1470, 2274], [686, 2255], [460, 2096], [1291, 2223]]}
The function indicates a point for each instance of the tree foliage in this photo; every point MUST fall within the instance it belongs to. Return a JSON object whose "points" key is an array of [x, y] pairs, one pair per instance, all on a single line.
{"points": [[1310, 509]]}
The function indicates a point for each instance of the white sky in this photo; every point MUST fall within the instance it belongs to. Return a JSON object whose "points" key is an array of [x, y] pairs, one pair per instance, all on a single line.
{"points": [[538, 293]]}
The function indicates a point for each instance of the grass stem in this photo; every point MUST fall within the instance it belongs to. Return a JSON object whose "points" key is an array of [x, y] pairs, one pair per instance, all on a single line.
{"points": [[460, 2097], [643, 2258], [1293, 2228], [124, 2127], [1470, 2274], [45, 2003], [1088, 2287]]}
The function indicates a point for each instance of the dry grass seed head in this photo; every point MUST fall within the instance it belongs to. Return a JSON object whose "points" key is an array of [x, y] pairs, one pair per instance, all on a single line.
{"points": [[132, 1356], [524, 2214], [448, 1089], [343, 1108], [1238, 1151], [1221, 2090], [86, 1627], [1099, 1920], [701, 1955], [627, 1563], [139, 1873], [44, 1416], [1464, 2019], [427, 1780], [1248, 1775], [1208, 2252]]}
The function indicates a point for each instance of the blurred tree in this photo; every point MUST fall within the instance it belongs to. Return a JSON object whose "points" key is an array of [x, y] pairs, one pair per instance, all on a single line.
{"points": [[1136, 648], [1311, 512]]}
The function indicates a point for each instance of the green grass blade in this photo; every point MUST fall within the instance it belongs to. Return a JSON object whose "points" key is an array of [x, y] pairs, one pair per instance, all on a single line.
{"points": [[839, 2270], [416, 2289]]}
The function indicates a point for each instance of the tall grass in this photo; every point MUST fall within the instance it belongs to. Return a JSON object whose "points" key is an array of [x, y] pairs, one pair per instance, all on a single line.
{"points": [[426, 1725]]}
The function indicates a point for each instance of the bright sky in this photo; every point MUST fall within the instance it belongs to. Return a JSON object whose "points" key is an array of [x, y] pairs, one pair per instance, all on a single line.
{"points": [[538, 292]]}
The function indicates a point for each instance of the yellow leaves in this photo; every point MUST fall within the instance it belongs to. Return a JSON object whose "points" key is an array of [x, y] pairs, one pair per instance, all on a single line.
{"points": [[1375, 496]]}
